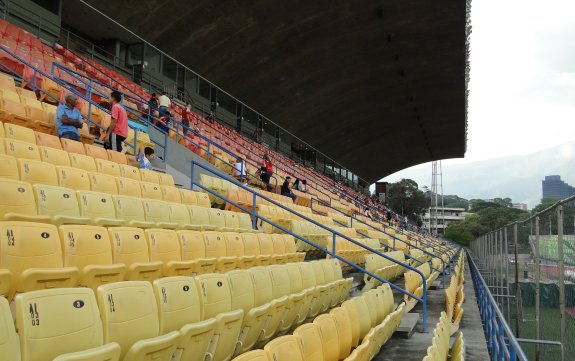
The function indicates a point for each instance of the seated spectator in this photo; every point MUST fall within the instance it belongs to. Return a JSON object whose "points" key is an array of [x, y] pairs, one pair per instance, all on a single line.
{"points": [[239, 169], [187, 115], [303, 186], [296, 184], [286, 191], [69, 118], [144, 159]]}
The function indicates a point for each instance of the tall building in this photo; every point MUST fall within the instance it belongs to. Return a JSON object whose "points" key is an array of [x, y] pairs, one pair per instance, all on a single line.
{"points": [[555, 188]]}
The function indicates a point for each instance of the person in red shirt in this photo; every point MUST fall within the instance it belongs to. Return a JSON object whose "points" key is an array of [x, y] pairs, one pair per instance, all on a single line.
{"points": [[117, 132], [267, 171], [187, 115]]}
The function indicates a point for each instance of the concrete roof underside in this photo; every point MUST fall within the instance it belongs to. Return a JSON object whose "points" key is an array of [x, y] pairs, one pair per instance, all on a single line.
{"points": [[378, 86]]}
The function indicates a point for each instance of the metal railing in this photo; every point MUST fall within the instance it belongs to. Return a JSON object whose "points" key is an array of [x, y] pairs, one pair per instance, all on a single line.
{"points": [[528, 265]]}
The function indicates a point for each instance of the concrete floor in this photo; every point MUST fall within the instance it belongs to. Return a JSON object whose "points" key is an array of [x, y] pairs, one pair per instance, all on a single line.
{"points": [[415, 348]]}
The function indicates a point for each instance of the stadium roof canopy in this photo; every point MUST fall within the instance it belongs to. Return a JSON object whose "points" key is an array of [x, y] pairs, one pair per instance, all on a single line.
{"points": [[378, 86]]}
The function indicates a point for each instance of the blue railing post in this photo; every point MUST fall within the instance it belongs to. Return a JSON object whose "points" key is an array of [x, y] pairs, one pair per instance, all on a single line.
{"points": [[333, 243], [254, 212]]}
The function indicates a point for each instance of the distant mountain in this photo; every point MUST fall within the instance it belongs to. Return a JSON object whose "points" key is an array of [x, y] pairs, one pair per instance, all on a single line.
{"points": [[517, 177]]}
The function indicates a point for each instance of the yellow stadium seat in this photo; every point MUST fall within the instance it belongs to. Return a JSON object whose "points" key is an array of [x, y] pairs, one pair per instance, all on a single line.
{"points": [[99, 208], [72, 146], [96, 152], [82, 162], [107, 352], [151, 190], [128, 187], [9, 167], [5, 281], [254, 355], [18, 132], [33, 254], [58, 203], [243, 297], [128, 171], [88, 248], [14, 112], [149, 176], [245, 222], [34, 171], [281, 287], [48, 140], [132, 211], [17, 202], [216, 302], [217, 219], [310, 342], [107, 167], [39, 317], [194, 249], [344, 330], [129, 246], [164, 246], [54, 156], [285, 348], [165, 179], [157, 212], [179, 309], [200, 218], [180, 215], [73, 178], [22, 150], [216, 248], [171, 194], [310, 294], [9, 346], [329, 337], [231, 221], [130, 318], [104, 183], [357, 309], [117, 157], [263, 290]]}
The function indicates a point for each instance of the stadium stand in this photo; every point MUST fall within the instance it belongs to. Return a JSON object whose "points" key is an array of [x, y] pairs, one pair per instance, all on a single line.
{"points": [[151, 270]]}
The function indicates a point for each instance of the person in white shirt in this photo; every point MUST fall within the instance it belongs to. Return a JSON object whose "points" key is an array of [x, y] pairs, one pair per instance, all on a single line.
{"points": [[164, 103], [240, 169]]}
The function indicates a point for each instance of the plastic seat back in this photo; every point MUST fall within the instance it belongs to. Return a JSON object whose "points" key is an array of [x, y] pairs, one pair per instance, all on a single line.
{"points": [[39, 316], [151, 191], [16, 197], [263, 286], [18, 132], [82, 161], [9, 167], [9, 342], [178, 302], [285, 348], [127, 171], [103, 183], [34, 171], [73, 178], [22, 150], [171, 194], [310, 342], [128, 187], [107, 167], [96, 152], [215, 293], [54, 156]]}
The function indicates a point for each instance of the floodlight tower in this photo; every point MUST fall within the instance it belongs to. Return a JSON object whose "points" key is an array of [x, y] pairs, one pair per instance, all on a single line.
{"points": [[436, 197]]}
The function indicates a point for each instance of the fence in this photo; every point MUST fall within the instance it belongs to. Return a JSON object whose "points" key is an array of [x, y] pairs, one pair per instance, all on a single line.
{"points": [[529, 267]]}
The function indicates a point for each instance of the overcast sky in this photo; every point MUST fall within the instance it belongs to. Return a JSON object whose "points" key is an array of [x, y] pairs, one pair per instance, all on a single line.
{"points": [[522, 88]]}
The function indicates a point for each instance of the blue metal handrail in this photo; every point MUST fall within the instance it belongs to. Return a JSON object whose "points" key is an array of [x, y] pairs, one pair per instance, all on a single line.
{"points": [[255, 217], [501, 342]]}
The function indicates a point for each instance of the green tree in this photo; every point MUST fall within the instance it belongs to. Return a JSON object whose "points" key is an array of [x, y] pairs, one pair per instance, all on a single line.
{"points": [[405, 198], [488, 216]]}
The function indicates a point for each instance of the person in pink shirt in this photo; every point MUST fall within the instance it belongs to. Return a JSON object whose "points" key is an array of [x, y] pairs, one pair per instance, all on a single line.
{"points": [[117, 132]]}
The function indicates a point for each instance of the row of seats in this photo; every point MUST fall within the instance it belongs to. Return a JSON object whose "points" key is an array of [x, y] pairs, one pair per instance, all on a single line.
{"points": [[210, 316], [454, 296], [59, 205], [439, 349], [414, 283], [383, 267], [39, 255], [354, 331]]}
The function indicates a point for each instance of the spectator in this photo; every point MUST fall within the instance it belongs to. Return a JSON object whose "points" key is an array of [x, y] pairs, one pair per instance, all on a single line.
{"points": [[145, 158], [69, 119], [296, 184], [286, 191], [303, 186], [153, 103], [267, 171], [239, 170], [165, 104], [187, 115], [118, 129]]}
